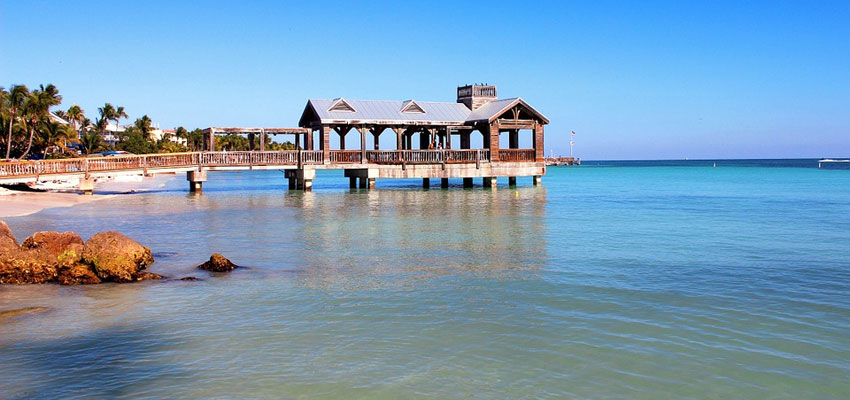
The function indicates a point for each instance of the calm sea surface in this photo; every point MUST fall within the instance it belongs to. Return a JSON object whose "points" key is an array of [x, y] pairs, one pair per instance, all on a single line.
{"points": [[613, 280]]}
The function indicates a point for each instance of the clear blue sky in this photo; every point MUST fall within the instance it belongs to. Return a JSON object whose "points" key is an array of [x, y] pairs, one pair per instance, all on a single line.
{"points": [[640, 80]]}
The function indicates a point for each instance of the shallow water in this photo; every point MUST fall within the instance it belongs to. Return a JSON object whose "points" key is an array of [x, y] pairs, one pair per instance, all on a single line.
{"points": [[606, 282]]}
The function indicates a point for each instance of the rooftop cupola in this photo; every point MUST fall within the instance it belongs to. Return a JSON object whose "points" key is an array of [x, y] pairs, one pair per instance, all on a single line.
{"points": [[475, 96]]}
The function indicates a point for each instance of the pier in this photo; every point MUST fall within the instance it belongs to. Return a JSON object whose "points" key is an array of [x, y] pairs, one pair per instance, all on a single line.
{"points": [[433, 140]]}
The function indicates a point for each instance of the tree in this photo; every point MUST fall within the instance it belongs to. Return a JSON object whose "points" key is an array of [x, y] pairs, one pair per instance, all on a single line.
{"points": [[52, 133], [182, 133], [37, 107], [76, 115], [14, 102], [110, 113], [90, 142], [134, 141], [144, 125]]}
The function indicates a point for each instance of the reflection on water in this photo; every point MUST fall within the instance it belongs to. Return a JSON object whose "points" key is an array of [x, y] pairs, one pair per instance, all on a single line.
{"points": [[398, 237]]}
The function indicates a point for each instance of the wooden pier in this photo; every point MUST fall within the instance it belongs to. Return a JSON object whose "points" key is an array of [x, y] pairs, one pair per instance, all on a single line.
{"points": [[443, 150]]}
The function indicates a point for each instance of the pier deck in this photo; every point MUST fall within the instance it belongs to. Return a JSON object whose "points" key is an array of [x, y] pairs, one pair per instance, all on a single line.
{"points": [[300, 166]]}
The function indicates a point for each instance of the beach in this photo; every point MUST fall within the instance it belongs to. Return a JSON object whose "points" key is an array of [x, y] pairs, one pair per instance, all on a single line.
{"points": [[18, 203]]}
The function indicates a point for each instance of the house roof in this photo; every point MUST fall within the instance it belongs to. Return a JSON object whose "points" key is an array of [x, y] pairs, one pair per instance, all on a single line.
{"points": [[345, 111]]}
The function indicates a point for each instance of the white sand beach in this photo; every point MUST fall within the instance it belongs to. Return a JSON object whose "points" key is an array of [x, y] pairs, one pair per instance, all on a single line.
{"points": [[16, 203]]}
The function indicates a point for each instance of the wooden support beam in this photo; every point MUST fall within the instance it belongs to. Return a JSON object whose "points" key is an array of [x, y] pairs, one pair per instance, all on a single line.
{"points": [[494, 142], [398, 138], [363, 130], [513, 138], [326, 143], [538, 143]]}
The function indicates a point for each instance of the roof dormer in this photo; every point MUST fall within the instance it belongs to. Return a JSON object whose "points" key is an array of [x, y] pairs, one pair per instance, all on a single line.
{"points": [[410, 106], [340, 105]]}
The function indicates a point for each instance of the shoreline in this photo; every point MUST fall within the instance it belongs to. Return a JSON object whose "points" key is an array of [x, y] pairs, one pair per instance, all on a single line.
{"points": [[18, 203]]}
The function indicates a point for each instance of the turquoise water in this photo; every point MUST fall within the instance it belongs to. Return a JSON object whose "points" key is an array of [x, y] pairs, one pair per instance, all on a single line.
{"points": [[606, 282]]}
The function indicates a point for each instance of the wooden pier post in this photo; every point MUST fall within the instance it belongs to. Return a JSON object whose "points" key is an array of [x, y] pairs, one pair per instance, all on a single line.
{"points": [[511, 181], [467, 182], [444, 183], [536, 180], [426, 183]]}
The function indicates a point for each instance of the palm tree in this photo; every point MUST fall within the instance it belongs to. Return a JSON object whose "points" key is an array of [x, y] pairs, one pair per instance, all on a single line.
{"points": [[14, 102], [76, 115], [182, 133], [119, 113], [90, 142], [144, 126], [36, 107], [53, 133], [100, 125]]}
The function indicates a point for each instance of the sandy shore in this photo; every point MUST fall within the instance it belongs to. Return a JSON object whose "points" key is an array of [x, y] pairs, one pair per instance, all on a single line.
{"points": [[15, 203]]}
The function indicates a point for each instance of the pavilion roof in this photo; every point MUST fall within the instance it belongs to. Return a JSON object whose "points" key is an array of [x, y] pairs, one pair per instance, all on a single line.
{"points": [[383, 112]]}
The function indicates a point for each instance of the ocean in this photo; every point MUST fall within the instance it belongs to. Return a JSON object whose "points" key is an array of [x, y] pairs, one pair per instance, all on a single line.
{"points": [[616, 279]]}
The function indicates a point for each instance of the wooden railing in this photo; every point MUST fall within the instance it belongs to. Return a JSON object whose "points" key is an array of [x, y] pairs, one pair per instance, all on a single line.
{"points": [[516, 155], [312, 157], [345, 156], [249, 158], [427, 156]]}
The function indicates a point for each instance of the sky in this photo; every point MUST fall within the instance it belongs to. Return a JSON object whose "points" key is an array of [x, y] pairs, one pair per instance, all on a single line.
{"points": [[634, 80]]}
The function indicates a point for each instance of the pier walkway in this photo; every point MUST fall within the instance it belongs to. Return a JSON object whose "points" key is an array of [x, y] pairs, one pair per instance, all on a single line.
{"points": [[362, 167]]}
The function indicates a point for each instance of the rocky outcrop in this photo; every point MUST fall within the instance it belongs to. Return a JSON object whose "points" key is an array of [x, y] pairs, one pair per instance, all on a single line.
{"points": [[20, 266], [63, 257], [7, 238], [116, 257], [53, 242], [218, 263]]}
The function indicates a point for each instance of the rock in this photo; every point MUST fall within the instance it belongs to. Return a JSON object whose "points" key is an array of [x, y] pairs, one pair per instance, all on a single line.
{"points": [[116, 257], [19, 266], [7, 238], [218, 263], [54, 242], [147, 276], [189, 278], [78, 274]]}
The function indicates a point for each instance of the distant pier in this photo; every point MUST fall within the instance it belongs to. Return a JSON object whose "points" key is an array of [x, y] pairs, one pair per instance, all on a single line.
{"points": [[555, 161]]}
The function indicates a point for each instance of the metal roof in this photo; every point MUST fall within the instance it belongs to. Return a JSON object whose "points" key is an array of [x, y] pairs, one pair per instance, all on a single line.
{"points": [[391, 111], [495, 108], [489, 110]]}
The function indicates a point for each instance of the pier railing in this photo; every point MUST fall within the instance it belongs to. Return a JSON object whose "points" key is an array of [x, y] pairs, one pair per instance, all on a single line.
{"points": [[144, 162], [345, 156], [516, 155]]}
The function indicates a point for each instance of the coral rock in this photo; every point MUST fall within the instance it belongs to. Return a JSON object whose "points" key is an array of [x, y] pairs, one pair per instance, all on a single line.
{"points": [[218, 263]]}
